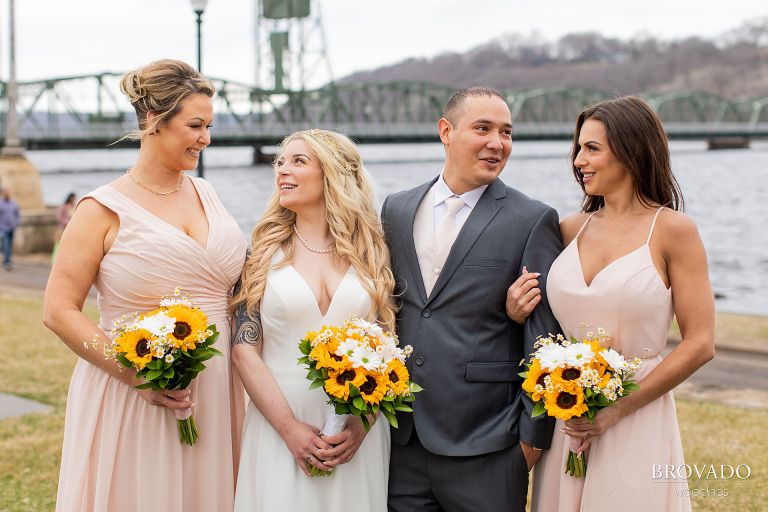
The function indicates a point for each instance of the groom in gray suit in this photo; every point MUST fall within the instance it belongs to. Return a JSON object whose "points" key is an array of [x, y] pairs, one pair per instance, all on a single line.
{"points": [[458, 242]]}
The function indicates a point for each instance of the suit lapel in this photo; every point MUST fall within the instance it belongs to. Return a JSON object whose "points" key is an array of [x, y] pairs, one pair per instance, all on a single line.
{"points": [[482, 214], [411, 206]]}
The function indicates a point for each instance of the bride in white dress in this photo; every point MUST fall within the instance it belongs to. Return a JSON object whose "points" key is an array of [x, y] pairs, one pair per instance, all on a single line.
{"points": [[318, 258]]}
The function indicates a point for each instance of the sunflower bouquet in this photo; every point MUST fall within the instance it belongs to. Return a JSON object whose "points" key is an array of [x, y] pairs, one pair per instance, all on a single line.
{"points": [[362, 370], [167, 347], [570, 379]]}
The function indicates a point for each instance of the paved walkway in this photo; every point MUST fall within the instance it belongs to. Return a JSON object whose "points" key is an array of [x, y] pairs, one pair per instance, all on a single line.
{"points": [[721, 380]]}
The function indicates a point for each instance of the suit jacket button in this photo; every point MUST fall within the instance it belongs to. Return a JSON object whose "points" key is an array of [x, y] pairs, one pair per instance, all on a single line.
{"points": [[426, 313], [419, 361]]}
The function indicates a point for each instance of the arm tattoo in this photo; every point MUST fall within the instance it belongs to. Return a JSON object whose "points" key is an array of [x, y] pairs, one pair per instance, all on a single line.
{"points": [[247, 327]]}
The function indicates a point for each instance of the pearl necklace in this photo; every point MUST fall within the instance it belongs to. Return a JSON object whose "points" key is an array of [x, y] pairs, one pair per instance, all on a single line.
{"points": [[306, 244], [146, 187]]}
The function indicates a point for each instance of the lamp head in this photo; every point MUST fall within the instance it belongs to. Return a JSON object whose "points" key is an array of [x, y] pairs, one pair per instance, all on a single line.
{"points": [[198, 5]]}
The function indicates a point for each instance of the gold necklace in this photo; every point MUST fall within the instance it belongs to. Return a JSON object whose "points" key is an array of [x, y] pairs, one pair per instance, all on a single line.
{"points": [[306, 244], [146, 187]]}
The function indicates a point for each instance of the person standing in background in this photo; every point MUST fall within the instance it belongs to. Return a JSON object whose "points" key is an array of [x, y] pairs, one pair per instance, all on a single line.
{"points": [[9, 221], [63, 214]]}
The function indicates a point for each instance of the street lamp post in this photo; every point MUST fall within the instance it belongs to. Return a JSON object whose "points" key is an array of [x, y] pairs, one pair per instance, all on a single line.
{"points": [[12, 143], [199, 7]]}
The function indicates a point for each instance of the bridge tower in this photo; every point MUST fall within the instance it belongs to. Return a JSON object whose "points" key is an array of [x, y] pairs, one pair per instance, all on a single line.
{"points": [[291, 53]]}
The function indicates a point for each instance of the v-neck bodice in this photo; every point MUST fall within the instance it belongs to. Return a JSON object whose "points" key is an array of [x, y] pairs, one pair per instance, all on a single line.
{"points": [[627, 298], [150, 257], [289, 310]]}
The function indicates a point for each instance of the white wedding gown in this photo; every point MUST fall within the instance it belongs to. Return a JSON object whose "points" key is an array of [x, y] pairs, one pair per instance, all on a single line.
{"points": [[269, 479]]}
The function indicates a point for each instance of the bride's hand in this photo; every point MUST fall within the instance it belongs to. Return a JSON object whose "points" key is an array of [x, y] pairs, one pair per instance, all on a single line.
{"points": [[306, 445], [176, 399], [523, 296], [346, 443]]}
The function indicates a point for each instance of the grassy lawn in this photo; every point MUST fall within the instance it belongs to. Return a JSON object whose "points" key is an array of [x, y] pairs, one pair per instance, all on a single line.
{"points": [[36, 365]]}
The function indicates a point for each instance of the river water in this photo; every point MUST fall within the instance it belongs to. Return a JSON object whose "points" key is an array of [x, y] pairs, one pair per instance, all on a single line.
{"points": [[726, 193]]}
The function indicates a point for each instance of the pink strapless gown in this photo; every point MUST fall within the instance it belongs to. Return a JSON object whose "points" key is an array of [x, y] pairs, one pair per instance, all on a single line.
{"points": [[120, 453], [629, 299]]}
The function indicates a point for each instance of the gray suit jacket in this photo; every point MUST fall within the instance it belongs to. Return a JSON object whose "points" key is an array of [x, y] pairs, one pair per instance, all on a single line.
{"points": [[467, 351]]}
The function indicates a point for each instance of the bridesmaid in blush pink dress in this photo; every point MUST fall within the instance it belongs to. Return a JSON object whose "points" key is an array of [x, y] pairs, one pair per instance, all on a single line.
{"points": [[630, 264], [136, 239]]}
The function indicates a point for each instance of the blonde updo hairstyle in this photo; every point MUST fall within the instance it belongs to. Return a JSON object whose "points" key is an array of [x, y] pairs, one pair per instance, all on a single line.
{"points": [[352, 219], [160, 87]]}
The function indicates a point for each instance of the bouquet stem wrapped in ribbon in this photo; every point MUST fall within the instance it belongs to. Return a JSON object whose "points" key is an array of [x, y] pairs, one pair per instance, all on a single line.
{"points": [[167, 347], [570, 379], [362, 371]]}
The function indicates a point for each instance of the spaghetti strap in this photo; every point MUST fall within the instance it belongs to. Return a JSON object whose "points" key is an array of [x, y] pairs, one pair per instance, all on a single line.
{"points": [[653, 225], [584, 225]]}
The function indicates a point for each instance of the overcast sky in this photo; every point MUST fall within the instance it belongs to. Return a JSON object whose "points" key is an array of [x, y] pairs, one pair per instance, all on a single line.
{"points": [[69, 37]]}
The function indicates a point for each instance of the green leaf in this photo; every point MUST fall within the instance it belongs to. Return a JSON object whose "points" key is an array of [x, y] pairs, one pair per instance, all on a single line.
{"points": [[354, 410], [524, 375], [162, 383], [341, 409], [353, 391], [155, 364], [305, 347], [359, 403], [388, 407], [538, 409], [414, 388], [124, 361], [168, 374], [153, 374], [574, 340], [316, 384], [403, 408], [375, 408], [366, 424], [146, 385], [314, 373], [304, 360], [197, 366], [390, 417]]}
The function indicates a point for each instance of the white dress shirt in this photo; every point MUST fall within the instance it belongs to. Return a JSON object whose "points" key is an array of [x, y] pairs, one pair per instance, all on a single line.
{"points": [[441, 192]]}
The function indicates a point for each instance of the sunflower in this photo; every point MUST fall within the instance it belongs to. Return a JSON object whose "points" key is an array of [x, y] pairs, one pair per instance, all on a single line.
{"points": [[535, 377], [566, 403], [190, 327], [135, 346], [374, 387], [324, 356], [566, 374], [337, 383], [397, 377]]}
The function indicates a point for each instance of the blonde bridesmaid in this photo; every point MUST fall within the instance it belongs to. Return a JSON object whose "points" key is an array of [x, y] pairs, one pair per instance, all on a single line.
{"points": [[135, 240]]}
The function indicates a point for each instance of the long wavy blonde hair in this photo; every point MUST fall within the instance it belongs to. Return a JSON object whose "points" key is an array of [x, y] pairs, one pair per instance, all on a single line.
{"points": [[352, 220]]}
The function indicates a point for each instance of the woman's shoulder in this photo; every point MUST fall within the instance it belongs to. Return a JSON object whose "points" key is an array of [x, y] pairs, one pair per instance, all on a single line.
{"points": [[674, 226], [571, 225]]}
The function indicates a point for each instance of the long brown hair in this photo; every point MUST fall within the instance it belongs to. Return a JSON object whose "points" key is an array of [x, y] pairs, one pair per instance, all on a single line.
{"points": [[637, 139]]}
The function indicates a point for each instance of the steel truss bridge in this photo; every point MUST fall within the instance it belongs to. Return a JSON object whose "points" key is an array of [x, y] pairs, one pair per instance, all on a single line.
{"points": [[88, 111]]}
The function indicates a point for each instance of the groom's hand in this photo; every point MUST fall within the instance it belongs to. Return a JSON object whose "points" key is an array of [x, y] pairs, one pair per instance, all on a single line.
{"points": [[531, 454]]}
